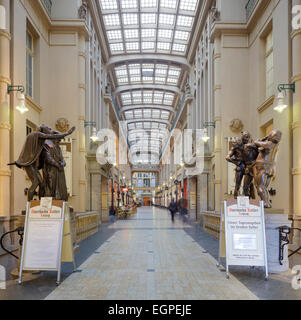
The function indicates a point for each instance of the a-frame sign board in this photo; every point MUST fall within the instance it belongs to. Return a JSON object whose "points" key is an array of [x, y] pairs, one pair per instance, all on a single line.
{"points": [[242, 234], [47, 240]]}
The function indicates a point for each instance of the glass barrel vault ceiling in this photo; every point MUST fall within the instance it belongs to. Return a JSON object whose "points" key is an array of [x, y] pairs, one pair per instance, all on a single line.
{"points": [[148, 27]]}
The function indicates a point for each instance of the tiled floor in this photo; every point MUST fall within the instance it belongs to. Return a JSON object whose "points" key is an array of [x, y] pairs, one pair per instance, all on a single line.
{"points": [[149, 257]]}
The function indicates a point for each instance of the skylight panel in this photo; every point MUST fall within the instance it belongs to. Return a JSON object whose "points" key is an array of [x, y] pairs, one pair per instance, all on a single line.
{"points": [[112, 20], [135, 79], [163, 45], [109, 4], [179, 47], [121, 72], [116, 47], [164, 33], [114, 35], [164, 115], [148, 3], [139, 125], [147, 125], [156, 115], [158, 95], [126, 96], [174, 72], [161, 72], [147, 100], [147, 113], [184, 21], [131, 33], [137, 94], [181, 35], [130, 19], [160, 80], [147, 94], [128, 114], [170, 4], [123, 80], [148, 33], [148, 45], [138, 114], [167, 19], [148, 18], [188, 5], [162, 126], [128, 4], [131, 126], [172, 80], [132, 46], [147, 79], [169, 96], [134, 71]]}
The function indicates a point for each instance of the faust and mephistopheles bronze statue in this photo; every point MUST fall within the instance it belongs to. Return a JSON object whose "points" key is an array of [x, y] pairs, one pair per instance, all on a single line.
{"points": [[255, 164], [41, 151]]}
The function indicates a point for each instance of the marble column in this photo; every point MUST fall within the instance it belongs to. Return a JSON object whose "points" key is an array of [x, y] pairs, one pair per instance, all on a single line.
{"points": [[296, 126], [81, 128], [5, 127], [218, 124]]}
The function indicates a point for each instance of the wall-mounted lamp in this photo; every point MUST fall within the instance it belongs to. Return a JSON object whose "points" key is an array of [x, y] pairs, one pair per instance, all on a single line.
{"points": [[206, 137], [21, 107], [280, 106], [94, 136]]}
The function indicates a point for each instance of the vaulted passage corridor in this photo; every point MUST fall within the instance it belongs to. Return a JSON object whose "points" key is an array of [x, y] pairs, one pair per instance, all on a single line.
{"points": [[149, 257]]}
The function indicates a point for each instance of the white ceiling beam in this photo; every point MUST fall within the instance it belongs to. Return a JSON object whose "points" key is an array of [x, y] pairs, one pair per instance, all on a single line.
{"points": [[150, 86]]}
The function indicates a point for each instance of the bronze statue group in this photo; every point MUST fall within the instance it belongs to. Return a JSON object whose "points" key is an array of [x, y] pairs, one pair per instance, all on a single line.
{"points": [[255, 164], [41, 151]]}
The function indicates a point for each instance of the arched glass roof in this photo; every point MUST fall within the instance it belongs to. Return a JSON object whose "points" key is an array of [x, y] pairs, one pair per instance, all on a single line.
{"points": [[147, 86]]}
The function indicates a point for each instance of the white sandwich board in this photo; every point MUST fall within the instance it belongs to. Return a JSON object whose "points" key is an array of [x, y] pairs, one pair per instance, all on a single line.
{"points": [[242, 222], [47, 240]]}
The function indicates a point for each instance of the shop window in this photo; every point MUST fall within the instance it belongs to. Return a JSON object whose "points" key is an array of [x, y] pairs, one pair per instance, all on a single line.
{"points": [[269, 65]]}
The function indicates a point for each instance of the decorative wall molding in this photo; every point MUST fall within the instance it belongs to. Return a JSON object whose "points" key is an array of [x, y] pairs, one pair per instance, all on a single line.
{"points": [[5, 80], [5, 125], [83, 182], [5, 34], [217, 118], [295, 33], [81, 118], [5, 173], [269, 102], [82, 54], [31, 103], [296, 78], [296, 171], [217, 56], [82, 86], [217, 87], [296, 125]]}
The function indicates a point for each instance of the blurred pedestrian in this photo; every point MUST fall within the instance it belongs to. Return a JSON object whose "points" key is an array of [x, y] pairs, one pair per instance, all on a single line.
{"points": [[173, 209]]}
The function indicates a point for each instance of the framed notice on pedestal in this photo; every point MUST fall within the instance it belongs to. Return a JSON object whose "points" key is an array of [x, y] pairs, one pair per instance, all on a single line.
{"points": [[243, 231], [47, 232]]}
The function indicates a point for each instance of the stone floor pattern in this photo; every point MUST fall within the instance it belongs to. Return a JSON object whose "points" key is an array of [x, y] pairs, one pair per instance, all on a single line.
{"points": [[149, 257]]}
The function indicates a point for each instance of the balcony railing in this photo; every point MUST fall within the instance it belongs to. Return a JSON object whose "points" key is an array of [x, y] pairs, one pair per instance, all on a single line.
{"points": [[48, 5], [249, 7]]}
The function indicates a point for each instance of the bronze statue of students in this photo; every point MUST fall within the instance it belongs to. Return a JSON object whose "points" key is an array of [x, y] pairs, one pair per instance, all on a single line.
{"points": [[29, 158]]}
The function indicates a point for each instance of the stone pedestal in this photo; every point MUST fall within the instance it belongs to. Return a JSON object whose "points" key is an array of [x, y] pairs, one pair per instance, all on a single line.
{"points": [[274, 219]]}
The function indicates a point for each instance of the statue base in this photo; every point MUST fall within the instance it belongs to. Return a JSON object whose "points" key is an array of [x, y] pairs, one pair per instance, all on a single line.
{"points": [[274, 218]]}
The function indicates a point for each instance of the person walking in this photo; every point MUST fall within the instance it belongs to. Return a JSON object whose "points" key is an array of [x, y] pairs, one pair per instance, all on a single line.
{"points": [[173, 209]]}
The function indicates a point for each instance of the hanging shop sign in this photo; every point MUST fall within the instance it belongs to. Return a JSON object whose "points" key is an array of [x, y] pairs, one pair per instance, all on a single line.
{"points": [[243, 231], [48, 239]]}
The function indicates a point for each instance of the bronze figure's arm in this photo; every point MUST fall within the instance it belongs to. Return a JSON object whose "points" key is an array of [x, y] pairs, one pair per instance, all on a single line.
{"points": [[56, 136]]}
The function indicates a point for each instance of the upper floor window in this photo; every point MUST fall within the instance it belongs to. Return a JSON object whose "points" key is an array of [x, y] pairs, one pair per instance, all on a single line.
{"points": [[269, 65], [29, 63]]}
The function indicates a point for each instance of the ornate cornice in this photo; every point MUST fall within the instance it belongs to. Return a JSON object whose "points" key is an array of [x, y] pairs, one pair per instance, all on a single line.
{"points": [[296, 171], [5, 34], [5, 125], [5, 173], [269, 102], [4, 80], [296, 124], [295, 33]]}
